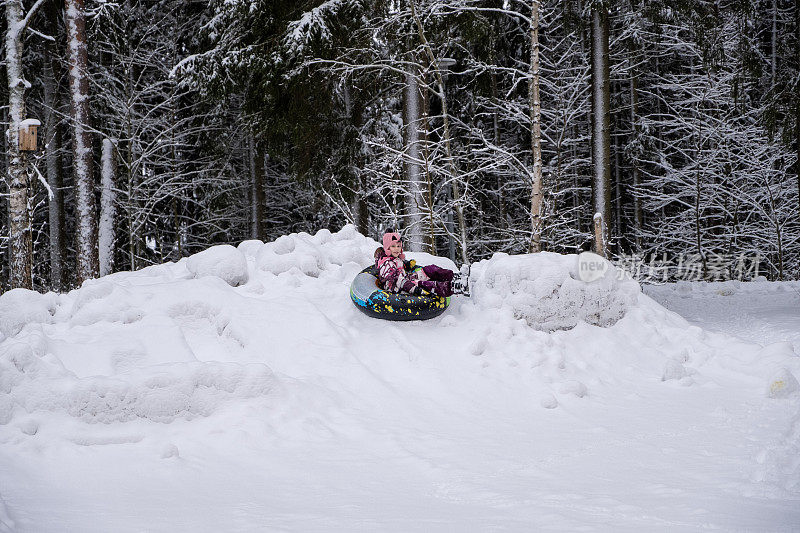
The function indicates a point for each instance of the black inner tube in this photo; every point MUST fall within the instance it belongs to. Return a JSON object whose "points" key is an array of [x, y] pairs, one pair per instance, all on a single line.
{"points": [[378, 303]]}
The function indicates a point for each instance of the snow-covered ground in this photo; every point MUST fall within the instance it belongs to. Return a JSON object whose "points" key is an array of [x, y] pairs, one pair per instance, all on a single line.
{"points": [[761, 312], [240, 390]]}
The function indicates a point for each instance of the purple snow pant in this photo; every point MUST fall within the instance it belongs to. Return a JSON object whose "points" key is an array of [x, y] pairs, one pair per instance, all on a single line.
{"points": [[440, 282]]}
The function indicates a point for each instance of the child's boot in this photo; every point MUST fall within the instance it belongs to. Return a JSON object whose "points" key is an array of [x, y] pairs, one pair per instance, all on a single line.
{"points": [[461, 281]]}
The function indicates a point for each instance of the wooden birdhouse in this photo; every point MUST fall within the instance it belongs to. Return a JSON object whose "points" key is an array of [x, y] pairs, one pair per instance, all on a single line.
{"points": [[27, 134]]}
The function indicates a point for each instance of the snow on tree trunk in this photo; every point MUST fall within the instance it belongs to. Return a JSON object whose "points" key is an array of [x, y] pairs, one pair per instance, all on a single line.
{"points": [[598, 225], [797, 102], [107, 236], [414, 225], [86, 232], [536, 133], [18, 177], [618, 230], [601, 146]]}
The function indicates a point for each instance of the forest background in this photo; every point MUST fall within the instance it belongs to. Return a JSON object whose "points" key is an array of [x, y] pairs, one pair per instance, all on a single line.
{"points": [[662, 134]]}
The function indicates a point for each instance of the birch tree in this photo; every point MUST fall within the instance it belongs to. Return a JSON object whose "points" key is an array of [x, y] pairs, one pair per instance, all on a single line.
{"points": [[536, 133], [18, 178], [797, 100]]}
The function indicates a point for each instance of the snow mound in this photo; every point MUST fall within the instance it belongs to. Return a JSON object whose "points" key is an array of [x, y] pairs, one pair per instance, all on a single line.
{"points": [[312, 255], [102, 300], [783, 384], [19, 307], [250, 248], [544, 290], [33, 380], [222, 261], [274, 374], [780, 461]]}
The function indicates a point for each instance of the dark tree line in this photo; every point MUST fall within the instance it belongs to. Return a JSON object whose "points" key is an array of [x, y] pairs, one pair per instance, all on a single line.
{"points": [[661, 129]]}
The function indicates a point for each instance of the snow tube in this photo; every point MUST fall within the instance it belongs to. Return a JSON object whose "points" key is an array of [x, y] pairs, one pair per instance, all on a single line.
{"points": [[378, 303]]}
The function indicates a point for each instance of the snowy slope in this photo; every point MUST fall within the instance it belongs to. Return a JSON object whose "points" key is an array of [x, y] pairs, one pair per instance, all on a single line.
{"points": [[760, 311], [240, 390]]}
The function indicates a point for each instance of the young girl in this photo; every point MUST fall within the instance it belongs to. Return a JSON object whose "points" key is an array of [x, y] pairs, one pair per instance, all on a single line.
{"points": [[396, 274]]}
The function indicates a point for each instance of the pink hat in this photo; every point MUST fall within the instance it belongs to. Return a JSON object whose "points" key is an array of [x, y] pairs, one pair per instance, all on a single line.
{"points": [[391, 238]]}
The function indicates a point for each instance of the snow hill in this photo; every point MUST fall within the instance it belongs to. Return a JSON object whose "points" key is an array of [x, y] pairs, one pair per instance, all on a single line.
{"points": [[240, 390]]}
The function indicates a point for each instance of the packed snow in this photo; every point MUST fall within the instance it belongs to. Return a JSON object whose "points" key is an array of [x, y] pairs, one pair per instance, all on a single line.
{"points": [[224, 262], [548, 292], [240, 390]]}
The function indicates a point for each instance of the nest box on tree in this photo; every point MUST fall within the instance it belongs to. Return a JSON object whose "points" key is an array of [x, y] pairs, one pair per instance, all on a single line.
{"points": [[27, 134]]}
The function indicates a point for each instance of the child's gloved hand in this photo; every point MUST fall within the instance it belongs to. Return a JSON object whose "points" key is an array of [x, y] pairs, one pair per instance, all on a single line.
{"points": [[410, 264]]}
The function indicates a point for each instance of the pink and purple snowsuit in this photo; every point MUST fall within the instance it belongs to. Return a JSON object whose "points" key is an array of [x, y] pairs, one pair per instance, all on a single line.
{"points": [[396, 275]]}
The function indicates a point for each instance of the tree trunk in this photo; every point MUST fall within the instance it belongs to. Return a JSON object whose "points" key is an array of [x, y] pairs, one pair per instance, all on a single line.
{"points": [[258, 196], [774, 55], [536, 134], [362, 209], [6, 253], [426, 113], [601, 153], [54, 168], [415, 202], [131, 213], [134, 242], [107, 235], [176, 223], [132, 160], [18, 173], [496, 118], [577, 201], [353, 114], [638, 214], [698, 222], [618, 230], [455, 189], [797, 101], [86, 234]]}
